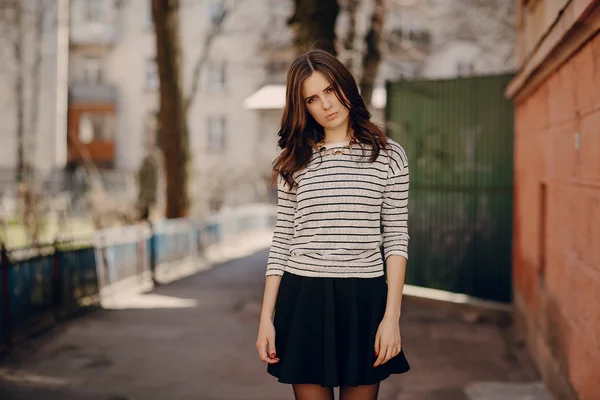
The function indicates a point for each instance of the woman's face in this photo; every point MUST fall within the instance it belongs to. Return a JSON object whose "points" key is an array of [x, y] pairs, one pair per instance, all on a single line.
{"points": [[322, 103]]}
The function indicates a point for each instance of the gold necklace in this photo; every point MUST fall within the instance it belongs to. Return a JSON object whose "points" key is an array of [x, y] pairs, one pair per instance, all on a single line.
{"points": [[324, 151]]}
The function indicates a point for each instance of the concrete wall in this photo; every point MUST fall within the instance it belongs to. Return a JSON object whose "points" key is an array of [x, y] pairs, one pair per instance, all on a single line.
{"points": [[556, 247]]}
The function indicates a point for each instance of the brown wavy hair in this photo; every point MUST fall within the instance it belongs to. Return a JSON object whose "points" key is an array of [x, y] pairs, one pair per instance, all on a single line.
{"points": [[300, 133]]}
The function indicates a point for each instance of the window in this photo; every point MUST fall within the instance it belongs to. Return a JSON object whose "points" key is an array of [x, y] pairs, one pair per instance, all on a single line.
{"points": [[215, 140], [91, 70], [152, 79], [216, 76], [92, 11], [96, 127]]}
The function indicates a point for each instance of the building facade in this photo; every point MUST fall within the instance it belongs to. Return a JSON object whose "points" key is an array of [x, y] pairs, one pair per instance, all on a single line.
{"points": [[556, 257], [113, 91]]}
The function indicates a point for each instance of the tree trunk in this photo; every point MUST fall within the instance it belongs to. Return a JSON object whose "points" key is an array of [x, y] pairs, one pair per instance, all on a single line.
{"points": [[313, 23], [36, 76], [19, 82], [372, 55], [165, 14], [350, 36]]}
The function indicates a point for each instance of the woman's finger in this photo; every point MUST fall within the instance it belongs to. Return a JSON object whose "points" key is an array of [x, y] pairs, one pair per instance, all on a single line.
{"points": [[388, 354], [262, 350], [271, 348], [380, 357], [272, 356]]}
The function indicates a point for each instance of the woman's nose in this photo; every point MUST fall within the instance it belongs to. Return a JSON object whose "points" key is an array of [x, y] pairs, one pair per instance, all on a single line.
{"points": [[326, 104]]}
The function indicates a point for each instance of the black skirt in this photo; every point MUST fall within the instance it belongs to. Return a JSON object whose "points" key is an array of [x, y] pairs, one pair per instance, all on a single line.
{"points": [[325, 331]]}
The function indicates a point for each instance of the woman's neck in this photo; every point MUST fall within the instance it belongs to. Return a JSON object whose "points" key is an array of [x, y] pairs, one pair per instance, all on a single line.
{"points": [[337, 136]]}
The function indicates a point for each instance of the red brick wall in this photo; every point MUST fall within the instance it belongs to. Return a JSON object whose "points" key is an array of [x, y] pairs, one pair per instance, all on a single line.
{"points": [[556, 252]]}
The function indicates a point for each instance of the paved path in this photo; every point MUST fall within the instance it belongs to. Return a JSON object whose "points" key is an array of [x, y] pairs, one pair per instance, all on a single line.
{"points": [[194, 339]]}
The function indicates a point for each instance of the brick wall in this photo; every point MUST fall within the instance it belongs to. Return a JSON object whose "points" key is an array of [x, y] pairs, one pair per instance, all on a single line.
{"points": [[556, 248]]}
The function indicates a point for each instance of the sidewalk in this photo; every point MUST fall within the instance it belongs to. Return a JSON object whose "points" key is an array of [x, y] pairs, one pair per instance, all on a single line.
{"points": [[194, 339]]}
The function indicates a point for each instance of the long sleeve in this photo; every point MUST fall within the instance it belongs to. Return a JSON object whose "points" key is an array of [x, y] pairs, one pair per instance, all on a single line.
{"points": [[394, 209], [284, 229]]}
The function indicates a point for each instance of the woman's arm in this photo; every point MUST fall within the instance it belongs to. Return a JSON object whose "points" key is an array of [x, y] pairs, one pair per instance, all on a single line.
{"points": [[265, 343], [396, 271], [269, 297], [276, 263], [388, 341], [394, 212]]}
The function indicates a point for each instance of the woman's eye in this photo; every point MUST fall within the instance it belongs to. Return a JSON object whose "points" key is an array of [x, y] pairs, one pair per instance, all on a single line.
{"points": [[309, 101], [329, 90]]}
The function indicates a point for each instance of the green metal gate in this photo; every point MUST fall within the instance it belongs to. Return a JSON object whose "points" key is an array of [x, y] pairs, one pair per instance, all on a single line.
{"points": [[458, 135]]}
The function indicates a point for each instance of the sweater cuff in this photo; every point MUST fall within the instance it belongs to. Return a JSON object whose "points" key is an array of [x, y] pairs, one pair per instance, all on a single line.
{"points": [[396, 252], [274, 272]]}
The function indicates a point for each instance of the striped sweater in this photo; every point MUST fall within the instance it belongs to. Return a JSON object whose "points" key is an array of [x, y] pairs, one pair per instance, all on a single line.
{"points": [[329, 224]]}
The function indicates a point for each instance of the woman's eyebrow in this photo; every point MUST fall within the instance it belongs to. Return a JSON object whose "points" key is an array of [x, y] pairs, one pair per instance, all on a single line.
{"points": [[328, 87]]}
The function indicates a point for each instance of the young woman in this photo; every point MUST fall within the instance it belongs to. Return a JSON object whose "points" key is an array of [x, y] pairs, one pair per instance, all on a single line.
{"points": [[329, 318]]}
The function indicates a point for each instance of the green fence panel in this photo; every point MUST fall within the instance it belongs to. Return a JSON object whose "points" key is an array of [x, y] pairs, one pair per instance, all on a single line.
{"points": [[458, 135]]}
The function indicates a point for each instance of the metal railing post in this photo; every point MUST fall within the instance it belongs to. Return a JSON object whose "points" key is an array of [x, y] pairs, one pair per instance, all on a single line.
{"points": [[152, 251], [5, 318], [57, 287]]}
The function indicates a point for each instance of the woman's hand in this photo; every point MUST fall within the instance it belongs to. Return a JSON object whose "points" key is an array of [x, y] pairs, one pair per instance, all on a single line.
{"points": [[265, 344], [387, 341]]}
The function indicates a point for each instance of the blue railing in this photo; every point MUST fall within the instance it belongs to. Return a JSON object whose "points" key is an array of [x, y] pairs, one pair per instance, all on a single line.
{"points": [[42, 285]]}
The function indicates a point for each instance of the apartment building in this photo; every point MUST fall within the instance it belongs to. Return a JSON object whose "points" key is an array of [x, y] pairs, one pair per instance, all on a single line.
{"points": [[113, 91], [33, 86]]}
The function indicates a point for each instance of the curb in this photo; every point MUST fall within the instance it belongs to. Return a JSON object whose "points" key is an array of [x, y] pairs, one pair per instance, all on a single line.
{"points": [[455, 305]]}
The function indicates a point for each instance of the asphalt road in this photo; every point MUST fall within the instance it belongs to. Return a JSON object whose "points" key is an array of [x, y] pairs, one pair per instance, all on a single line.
{"points": [[194, 339]]}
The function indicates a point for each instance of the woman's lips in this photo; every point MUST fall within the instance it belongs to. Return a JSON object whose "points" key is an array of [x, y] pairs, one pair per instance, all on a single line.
{"points": [[332, 116]]}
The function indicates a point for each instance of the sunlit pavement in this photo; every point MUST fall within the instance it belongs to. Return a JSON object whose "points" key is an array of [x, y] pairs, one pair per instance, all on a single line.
{"points": [[194, 339]]}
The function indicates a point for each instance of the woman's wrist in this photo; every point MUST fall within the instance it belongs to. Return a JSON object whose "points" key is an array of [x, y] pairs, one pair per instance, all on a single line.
{"points": [[392, 316], [266, 318]]}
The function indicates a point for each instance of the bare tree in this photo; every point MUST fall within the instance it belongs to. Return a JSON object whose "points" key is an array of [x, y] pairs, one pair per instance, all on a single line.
{"points": [[22, 28], [489, 24], [313, 23], [348, 41], [175, 104], [372, 54], [21, 33], [36, 68], [172, 114], [216, 28], [13, 25]]}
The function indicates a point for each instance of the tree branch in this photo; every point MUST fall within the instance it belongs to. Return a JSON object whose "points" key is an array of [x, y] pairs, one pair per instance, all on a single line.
{"points": [[215, 30], [36, 72], [372, 55]]}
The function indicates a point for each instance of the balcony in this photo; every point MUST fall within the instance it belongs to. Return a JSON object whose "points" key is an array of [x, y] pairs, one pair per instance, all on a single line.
{"points": [[93, 34], [92, 93], [92, 128]]}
